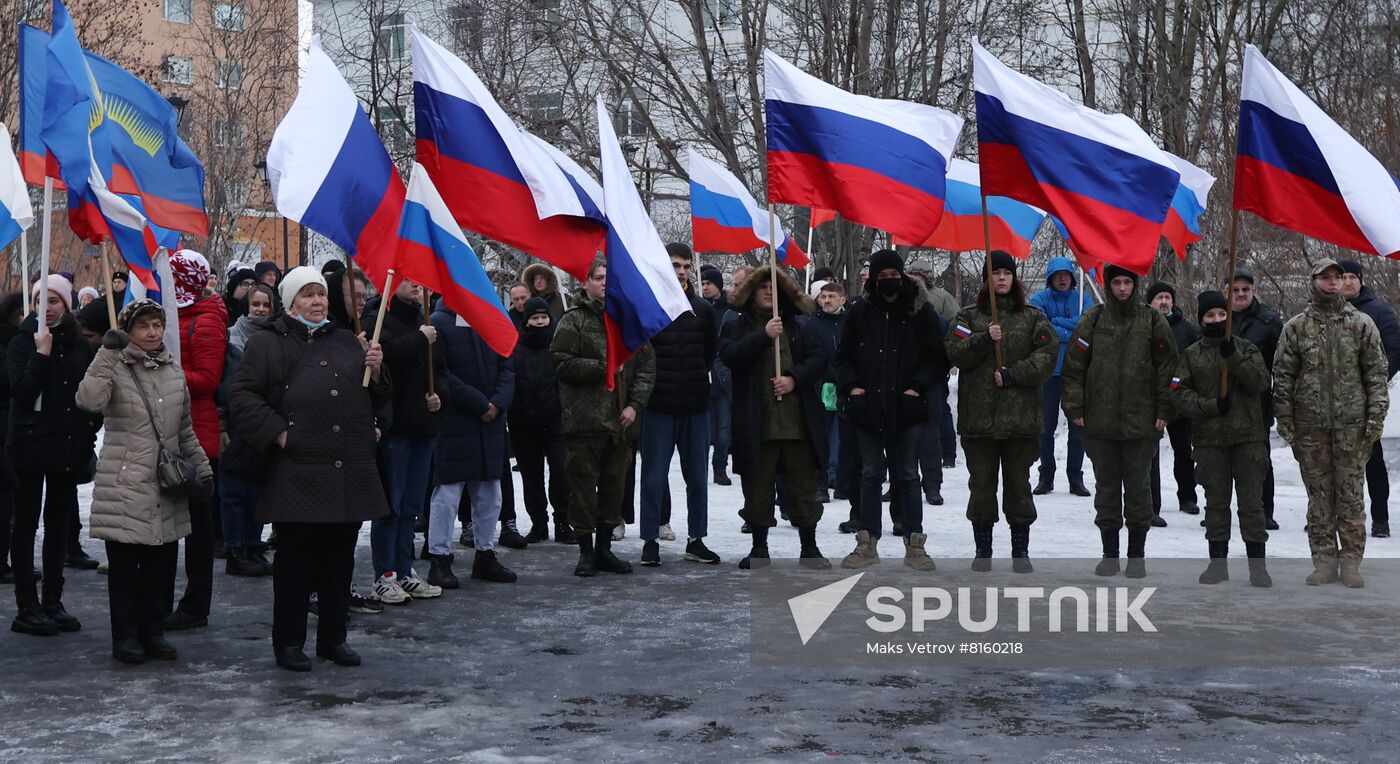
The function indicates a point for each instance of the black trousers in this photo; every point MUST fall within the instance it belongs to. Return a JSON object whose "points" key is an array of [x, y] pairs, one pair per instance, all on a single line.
{"points": [[7, 515], [1183, 466], [140, 588], [1378, 485], [55, 507], [312, 557], [199, 556], [534, 447]]}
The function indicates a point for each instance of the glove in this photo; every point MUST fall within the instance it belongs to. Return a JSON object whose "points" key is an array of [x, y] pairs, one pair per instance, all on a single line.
{"points": [[1285, 432], [1227, 347], [1005, 376], [115, 339], [206, 489], [1373, 434], [1223, 404]]}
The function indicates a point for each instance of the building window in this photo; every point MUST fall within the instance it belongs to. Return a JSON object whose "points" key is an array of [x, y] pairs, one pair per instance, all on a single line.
{"points": [[179, 11], [178, 70], [631, 116], [229, 17], [392, 40], [235, 193], [546, 107], [393, 129], [229, 134], [630, 19], [546, 19], [246, 251], [723, 14], [228, 74], [466, 22]]}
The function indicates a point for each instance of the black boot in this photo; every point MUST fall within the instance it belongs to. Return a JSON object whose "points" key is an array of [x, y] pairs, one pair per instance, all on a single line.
{"points": [[128, 651], [1076, 488], [1043, 487], [79, 560], [538, 532], [440, 572], [485, 567], [584, 568], [758, 555], [811, 556], [1218, 569], [563, 534], [603, 558], [1020, 549], [292, 658], [982, 538], [31, 618], [239, 563], [510, 537], [66, 623], [1137, 551], [1258, 571], [1108, 566], [158, 648]]}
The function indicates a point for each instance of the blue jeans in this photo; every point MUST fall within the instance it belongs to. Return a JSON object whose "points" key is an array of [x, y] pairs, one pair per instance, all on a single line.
{"points": [[947, 430], [485, 498], [406, 464], [1050, 403], [720, 419], [663, 434], [238, 503], [899, 449]]}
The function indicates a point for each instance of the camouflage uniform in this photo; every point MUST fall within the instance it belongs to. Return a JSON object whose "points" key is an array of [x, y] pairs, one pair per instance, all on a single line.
{"points": [[1117, 378], [1330, 403], [598, 450], [1232, 448], [1000, 427]]}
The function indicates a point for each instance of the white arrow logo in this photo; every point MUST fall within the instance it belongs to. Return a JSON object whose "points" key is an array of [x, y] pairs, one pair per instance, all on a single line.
{"points": [[810, 610]]}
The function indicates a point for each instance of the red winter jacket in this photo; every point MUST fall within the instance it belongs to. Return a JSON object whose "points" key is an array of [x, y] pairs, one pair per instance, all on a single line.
{"points": [[203, 339]]}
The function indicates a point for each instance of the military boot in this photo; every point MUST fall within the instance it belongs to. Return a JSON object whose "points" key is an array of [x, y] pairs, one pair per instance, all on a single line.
{"points": [[865, 554], [1137, 551], [1258, 571], [1324, 571], [758, 555], [1108, 566], [1217, 569], [811, 556], [603, 558], [914, 555], [982, 540], [1020, 549], [1351, 574], [584, 568]]}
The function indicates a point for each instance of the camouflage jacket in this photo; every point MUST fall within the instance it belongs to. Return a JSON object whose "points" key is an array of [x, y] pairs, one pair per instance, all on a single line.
{"points": [[1118, 371], [1196, 389], [1029, 349], [580, 351], [1330, 370]]}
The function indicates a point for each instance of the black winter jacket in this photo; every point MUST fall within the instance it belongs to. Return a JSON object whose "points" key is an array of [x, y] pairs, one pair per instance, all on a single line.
{"points": [[406, 358], [885, 349], [1262, 326], [826, 327], [536, 403], [59, 438], [470, 378], [1384, 318], [685, 353], [1183, 331]]}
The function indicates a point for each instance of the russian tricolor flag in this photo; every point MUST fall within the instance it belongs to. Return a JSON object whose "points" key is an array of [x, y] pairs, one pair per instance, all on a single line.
{"points": [[1012, 225], [1298, 169], [1183, 224], [433, 252], [330, 172], [726, 218], [643, 296], [880, 163], [497, 182], [1098, 173], [16, 212]]}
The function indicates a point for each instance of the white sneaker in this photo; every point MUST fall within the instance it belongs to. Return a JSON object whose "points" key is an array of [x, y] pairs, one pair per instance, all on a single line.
{"points": [[387, 589], [619, 531], [665, 533], [417, 588]]}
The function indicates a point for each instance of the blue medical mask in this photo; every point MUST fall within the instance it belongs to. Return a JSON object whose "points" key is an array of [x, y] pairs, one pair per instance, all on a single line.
{"points": [[312, 325]]}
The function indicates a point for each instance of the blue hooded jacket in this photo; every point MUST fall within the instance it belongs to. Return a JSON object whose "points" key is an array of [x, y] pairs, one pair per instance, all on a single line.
{"points": [[1062, 308]]}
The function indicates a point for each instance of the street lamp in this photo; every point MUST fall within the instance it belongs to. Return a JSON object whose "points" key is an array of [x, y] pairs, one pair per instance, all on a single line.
{"points": [[261, 167], [179, 104]]}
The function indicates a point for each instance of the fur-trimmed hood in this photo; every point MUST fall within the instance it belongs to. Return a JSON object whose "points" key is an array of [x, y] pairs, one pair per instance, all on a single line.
{"points": [[790, 297], [527, 277]]}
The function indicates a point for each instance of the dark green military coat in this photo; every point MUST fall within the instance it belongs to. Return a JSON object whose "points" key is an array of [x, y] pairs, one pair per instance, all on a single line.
{"points": [[1196, 392], [1118, 371], [580, 351], [1029, 349]]}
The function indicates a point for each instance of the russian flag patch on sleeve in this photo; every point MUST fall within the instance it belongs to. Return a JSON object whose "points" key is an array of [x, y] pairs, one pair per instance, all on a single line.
{"points": [[1176, 382], [961, 332], [1082, 343]]}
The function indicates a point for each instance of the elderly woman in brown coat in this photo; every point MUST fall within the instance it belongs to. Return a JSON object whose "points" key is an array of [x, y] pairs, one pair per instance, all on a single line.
{"points": [[141, 525], [298, 399]]}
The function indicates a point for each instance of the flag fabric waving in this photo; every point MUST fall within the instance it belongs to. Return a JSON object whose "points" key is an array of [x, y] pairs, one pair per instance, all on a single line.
{"points": [[16, 212], [137, 144], [330, 172], [433, 252], [1012, 224], [1298, 169], [820, 217], [643, 296], [1100, 174], [497, 182], [1183, 224], [880, 163], [726, 218]]}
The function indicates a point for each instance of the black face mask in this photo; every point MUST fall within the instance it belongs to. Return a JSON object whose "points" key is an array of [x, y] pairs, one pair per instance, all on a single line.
{"points": [[1214, 330], [535, 337], [889, 287]]}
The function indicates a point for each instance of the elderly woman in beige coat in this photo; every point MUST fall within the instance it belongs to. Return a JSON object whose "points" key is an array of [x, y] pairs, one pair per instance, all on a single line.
{"points": [[140, 524]]}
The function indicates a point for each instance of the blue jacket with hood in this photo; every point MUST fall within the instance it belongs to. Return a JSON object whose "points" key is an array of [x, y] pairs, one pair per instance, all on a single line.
{"points": [[1062, 308]]}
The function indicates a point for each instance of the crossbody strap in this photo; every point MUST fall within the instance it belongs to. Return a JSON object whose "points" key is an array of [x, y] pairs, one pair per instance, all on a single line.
{"points": [[141, 392]]}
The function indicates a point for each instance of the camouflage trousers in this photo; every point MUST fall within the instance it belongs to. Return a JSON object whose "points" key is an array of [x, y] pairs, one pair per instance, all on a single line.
{"points": [[1241, 467], [597, 467], [1333, 463], [1122, 481], [1011, 460]]}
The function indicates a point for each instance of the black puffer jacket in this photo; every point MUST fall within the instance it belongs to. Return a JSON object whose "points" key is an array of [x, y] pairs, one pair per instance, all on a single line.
{"points": [[471, 378], [536, 404], [885, 349], [1262, 326], [685, 352], [1384, 318], [59, 438], [1183, 331], [406, 358], [327, 471]]}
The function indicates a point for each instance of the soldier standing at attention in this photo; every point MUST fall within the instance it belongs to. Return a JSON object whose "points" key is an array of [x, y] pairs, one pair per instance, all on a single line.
{"points": [[1231, 445], [999, 406], [1117, 386], [1330, 400]]}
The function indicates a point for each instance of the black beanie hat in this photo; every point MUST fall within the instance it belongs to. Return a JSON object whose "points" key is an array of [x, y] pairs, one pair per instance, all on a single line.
{"points": [[1159, 287], [1207, 300], [264, 266], [1111, 272], [332, 266], [1353, 267], [93, 316], [823, 274], [885, 258], [1002, 261], [712, 275], [1243, 273], [533, 306]]}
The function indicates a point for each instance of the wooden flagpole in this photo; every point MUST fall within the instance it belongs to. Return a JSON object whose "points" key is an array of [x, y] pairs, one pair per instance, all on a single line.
{"points": [[348, 285], [24, 271], [427, 297], [379, 319], [991, 291], [107, 274], [773, 287], [1229, 299]]}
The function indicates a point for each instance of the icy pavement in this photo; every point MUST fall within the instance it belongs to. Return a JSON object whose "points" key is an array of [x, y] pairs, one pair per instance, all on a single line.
{"points": [[655, 666]]}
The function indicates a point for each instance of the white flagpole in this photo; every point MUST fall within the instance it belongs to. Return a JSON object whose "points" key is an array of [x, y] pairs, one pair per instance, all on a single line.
{"points": [[24, 268], [810, 260], [45, 243], [1083, 286]]}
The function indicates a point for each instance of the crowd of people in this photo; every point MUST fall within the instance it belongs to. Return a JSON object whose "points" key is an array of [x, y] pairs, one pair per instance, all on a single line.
{"points": [[276, 408]]}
